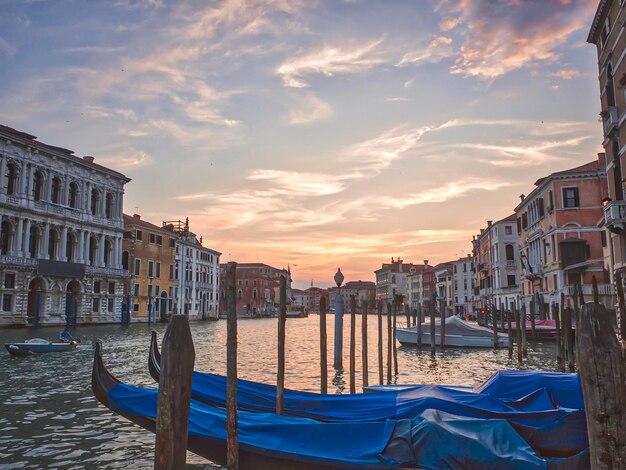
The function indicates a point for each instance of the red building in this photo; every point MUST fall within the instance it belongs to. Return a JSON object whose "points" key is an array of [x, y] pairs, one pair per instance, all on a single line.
{"points": [[257, 287]]}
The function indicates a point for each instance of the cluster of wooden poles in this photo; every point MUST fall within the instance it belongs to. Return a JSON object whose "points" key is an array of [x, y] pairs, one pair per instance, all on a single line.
{"points": [[599, 356]]}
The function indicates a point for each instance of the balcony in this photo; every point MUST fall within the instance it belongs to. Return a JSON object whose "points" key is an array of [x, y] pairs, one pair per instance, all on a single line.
{"points": [[482, 267], [610, 120], [511, 264], [533, 272], [17, 261], [603, 289], [615, 216]]}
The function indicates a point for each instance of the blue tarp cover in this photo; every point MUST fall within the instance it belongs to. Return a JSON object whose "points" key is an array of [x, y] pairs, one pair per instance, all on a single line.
{"points": [[431, 439]]}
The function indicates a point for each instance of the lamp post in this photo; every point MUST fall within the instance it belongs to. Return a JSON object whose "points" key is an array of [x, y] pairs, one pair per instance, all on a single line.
{"points": [[338, 363]]}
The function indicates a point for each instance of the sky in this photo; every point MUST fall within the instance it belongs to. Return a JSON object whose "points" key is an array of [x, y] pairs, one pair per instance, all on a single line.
{"points": [[311, 134]]}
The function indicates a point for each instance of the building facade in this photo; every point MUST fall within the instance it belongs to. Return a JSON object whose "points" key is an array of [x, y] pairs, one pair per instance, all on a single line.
{"points": [[314, 296], [361, 290], [61, 235], [258, 289], [197, 274], [391, 279], [462, 286], [560, 242], [443, 284], [150, 257]]}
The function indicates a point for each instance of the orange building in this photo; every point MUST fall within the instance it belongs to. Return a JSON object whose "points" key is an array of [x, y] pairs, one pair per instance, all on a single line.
{"points": [[149, 253], [559, 239]]}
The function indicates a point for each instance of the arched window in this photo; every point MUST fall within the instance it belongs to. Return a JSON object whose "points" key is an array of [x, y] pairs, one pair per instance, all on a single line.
{"points": [[33, 242], [510, 254], [53, 239], [94, 201], [240, 294], [125, 260], [107, 252], [69, 247], [38, 182], [92, 251], [5, 237], [109, 205], [56, 190], [254, 294], [73, 199], [11, 178]]}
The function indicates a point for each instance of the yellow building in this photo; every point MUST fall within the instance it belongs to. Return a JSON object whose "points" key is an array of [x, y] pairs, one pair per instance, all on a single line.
{"points": [[149, 253]]}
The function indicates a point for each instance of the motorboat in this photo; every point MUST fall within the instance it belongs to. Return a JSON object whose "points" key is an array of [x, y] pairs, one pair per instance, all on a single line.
{"points": [[38, 345], [544, 329], [458, 334]]}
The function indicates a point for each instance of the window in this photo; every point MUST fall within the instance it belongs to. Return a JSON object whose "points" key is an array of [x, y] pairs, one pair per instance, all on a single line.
{"points": [[171, 271], [172, 242], [524, 220], [136, 308], [7, 302], [510, 255], [111, 288], [95, 306], [550, 201], [152, 238], [157, 290], [96, 287], [11, 178], [56, 190], [510, 280], [150, 291], [9, 280], [110, 304], [94, 201], [139, 235], [150, 268], [136, 290], [508, 230], [128, 235], [570, 197], [73, 199], [159, 240], [158, 270], [137, 266]]}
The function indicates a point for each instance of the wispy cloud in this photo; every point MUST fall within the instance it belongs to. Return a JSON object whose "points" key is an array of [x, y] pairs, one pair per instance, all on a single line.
{"points": [[566, 74], [295, 183], [438, 49], [127, 160], [309, 109], [329, 61], [5, 47]]}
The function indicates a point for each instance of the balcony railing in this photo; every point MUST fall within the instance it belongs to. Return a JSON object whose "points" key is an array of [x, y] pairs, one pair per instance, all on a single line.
{"points": [[104, 271], [511, 264], [603, 289], [17, 261], [611, 120], [615, 215]]}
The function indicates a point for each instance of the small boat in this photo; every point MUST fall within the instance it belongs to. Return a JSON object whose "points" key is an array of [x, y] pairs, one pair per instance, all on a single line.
{"points": [[38, 345], [459, 334], [430, 438], [296, 311], [544, 329]]}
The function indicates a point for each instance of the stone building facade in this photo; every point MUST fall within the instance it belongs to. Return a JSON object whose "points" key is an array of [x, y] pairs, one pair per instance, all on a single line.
{"points": [[60, 235]]}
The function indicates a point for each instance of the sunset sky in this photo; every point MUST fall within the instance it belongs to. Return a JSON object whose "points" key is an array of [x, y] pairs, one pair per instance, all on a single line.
{"points": [[319, 134]]}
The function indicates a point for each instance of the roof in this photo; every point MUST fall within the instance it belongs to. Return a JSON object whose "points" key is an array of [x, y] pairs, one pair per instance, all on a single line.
{"points": [[31, 140], [136, 221], [360, 285], [511, 218], [596, 22]]}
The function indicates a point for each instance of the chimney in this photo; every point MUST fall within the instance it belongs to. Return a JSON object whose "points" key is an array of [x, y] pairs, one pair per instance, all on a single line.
{"points": [[137, 216], [489, 222], [522, 197], [602, 160], [399, 265], [88, 158]]}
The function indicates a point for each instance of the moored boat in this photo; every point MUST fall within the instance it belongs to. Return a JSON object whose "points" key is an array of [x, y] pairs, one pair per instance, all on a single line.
{"points": [[459, 334], [37, 346], [544, 329]]}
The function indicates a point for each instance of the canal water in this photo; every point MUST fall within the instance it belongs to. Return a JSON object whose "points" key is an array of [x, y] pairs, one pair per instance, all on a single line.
{"points": [[49, 417]]}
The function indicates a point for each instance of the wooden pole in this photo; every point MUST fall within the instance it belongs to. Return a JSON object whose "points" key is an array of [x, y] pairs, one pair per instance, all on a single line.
{"points": [[389, 359], [379, 312], [177, 359], [232, 439], [415, 316], [323, 347], [393, 338], [364, 344], [603, 381], [594, 289], [561, 344], [420, 319], [510, 332], [557, 324], [568, 338], [407, 312], [433, 299], [619, 289], [518, 320], [442, 325], [352, 344], [532, 306], [523, 327], [282, 318], [495, 327]]}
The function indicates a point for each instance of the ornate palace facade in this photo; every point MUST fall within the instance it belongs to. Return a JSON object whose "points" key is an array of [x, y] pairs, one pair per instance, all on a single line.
{"points": [[61, 235]]}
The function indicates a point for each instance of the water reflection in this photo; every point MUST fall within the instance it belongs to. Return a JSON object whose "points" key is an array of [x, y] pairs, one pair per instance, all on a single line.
{"points": [[50, 419]]}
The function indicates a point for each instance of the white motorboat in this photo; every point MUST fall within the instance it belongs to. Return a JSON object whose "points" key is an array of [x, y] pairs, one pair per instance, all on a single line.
{"points": [[459, 333]]}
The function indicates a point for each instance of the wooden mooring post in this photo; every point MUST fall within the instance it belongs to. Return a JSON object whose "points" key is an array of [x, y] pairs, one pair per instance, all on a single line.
{"points": [[379, 313], [282, 319], [494, 319], [557, 324], [352, 344], [393, 336], [568, 339], [232, 440], [603, 381], [407, 313], [420, 319], [364, 344], [323, 348], [532, 306], [433, 299], [621, 302], [523, 327], [510, 333], [442, 324], [172, 422], [389, 353], [518, 319]]}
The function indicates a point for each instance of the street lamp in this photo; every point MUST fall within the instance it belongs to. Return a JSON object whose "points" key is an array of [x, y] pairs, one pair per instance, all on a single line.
{"points": [[338, 363]]}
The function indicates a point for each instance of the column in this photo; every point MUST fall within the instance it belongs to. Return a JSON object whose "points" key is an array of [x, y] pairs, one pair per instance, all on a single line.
{"points": [[88, 198], [118, 253], [3, 163], [46, 241], [23, 180], [87, 236], [101, 251], [27, 241], [20, 237], [81, 247], [63, 247], [103, 199]]}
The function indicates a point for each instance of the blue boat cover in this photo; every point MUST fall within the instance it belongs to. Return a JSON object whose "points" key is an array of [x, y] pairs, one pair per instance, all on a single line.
{"points": [[433, 439]]}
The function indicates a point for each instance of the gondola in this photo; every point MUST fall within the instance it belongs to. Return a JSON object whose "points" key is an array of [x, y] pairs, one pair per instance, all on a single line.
{"points": [[545, 408], [434, 439]]}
